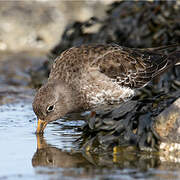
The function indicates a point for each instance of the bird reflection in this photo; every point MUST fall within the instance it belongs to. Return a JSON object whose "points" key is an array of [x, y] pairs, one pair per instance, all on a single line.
{"points": [[49, 156]]}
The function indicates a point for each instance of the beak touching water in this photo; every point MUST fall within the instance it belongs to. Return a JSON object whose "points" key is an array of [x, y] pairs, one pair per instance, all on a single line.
{"points": [[41, 126]]}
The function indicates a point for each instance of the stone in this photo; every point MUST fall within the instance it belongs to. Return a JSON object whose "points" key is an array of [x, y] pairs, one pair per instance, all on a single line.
{"points": [[167, 125]]}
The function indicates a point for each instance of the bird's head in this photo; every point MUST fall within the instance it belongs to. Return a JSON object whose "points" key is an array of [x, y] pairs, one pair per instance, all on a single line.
{"points": [[51, 102]]}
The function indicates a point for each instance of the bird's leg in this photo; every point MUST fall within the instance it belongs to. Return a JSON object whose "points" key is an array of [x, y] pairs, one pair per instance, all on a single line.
{"points": [[92, 119]]}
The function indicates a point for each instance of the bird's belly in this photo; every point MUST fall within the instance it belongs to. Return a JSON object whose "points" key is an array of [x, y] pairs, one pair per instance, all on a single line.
{"points": [[109, 96]]}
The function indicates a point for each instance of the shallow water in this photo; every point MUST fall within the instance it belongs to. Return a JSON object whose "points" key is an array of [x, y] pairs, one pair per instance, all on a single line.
{"points": [[57, 155]]}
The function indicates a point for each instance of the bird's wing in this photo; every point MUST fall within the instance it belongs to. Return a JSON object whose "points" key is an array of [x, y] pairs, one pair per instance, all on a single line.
{"points": [[132, 68]]}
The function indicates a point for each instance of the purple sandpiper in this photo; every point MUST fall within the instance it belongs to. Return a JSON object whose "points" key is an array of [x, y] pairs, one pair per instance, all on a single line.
{"points": [[91, 76]]}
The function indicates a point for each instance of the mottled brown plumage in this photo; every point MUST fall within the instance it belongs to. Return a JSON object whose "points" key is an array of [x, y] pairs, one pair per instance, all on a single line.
{"points": [[90, 76]]}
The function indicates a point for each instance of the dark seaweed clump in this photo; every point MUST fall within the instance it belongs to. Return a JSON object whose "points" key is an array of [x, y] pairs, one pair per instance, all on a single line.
{"points": [[132, 24]]}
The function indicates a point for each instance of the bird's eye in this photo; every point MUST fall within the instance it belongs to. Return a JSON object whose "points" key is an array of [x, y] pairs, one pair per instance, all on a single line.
{"points": [[50, 108]]}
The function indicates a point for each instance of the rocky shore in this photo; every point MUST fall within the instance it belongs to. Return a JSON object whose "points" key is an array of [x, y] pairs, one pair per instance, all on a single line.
{"points": [[151, 120]]}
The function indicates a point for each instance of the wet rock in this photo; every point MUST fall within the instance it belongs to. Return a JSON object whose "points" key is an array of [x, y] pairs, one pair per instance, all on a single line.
{"points": [[15, 76], [167, 125], [11, 94], [15, 67]]}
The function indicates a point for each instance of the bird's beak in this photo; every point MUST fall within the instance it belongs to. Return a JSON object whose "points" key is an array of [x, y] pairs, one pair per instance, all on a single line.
{"points": [[41, 126]]}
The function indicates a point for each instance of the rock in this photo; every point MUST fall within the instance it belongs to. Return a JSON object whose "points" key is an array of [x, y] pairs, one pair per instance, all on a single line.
{"points": [[167, 125], [15, 67], [15, 75], [38, 25]]}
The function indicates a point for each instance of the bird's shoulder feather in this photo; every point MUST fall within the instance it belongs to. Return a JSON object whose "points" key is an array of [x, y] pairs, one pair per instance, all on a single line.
{"points": [[132, 68]]}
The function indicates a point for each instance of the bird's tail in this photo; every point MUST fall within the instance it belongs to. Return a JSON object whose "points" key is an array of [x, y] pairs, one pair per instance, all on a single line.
{"points": [[171, 60], [161, 48]]}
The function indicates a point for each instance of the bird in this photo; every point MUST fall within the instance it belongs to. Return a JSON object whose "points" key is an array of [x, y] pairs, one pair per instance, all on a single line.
{"points": [[91, 76]]}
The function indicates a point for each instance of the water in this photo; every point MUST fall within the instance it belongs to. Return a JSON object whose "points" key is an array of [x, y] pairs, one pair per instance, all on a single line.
{"points": [[57, 155]]}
